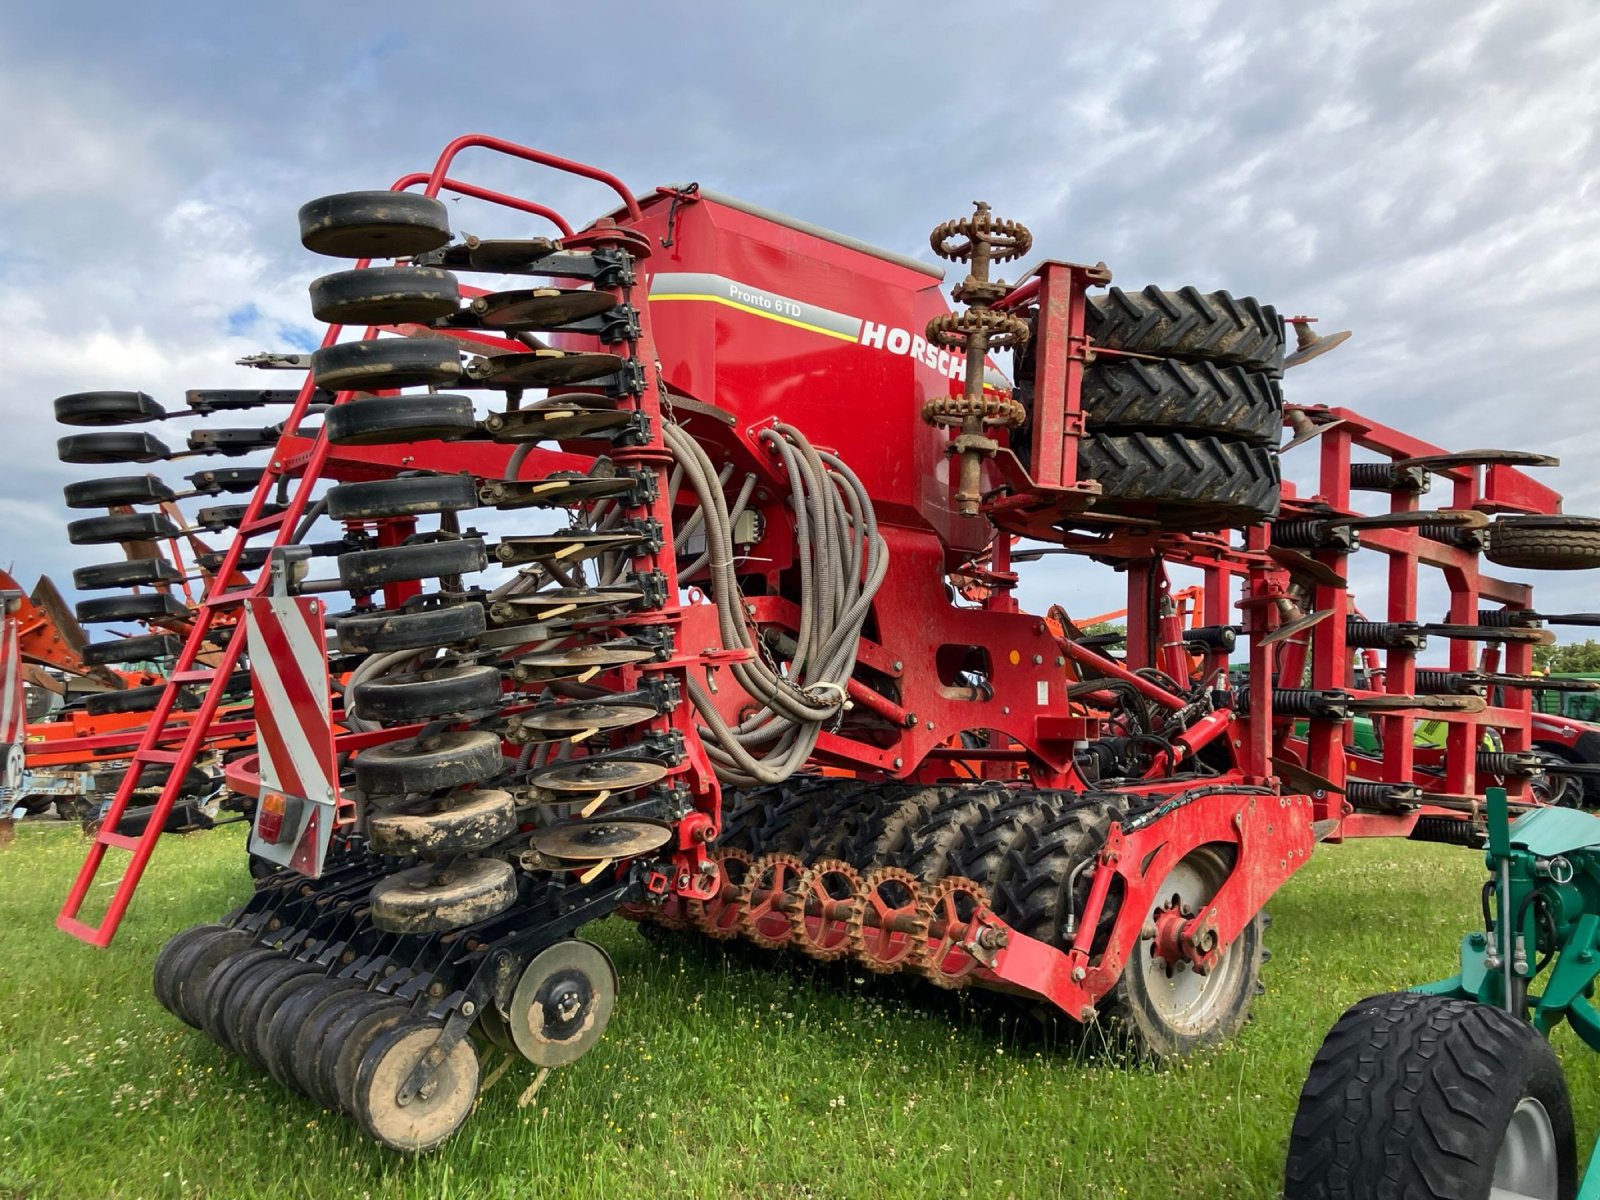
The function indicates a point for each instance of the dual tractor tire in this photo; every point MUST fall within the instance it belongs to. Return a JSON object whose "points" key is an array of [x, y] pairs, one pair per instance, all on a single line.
{"points": [[1185, 434], [1414, 1095]]}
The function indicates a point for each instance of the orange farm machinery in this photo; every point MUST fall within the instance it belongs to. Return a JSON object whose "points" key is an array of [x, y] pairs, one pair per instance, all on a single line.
{"points": [[743, 652]]}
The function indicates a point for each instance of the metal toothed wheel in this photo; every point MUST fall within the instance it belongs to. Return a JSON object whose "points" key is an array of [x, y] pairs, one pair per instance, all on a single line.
{"points": [[886, 927], [771, 893], [946, 911], [720, 917], [828, 897]]}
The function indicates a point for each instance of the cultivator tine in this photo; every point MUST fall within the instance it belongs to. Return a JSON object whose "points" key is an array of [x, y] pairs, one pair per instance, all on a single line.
{"points": [[1303, 780], [1492, 633]]}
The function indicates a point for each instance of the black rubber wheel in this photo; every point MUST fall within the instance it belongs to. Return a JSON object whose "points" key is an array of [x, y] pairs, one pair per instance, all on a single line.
{"points": [[246, 1015], [930, 850], [146, 606], [374, 224], [122, 489], [1188, 324], [228, 980], [144, 648], [135, 572], [1553, 543], [195, 968], [449, 824], [322, 1014], [381, 632], [121, 527], [421, 695], [139, 699], [1162, 1012], [1182, 482], [363, 570], [389, 420], [283, 1028], [349, 1039], [266, 1008], [426, 1121], [385, 296], [383, 363], [163, 980], [1138, 395], [107, 408], [424, 900], [1415, 1095], [96, 449], [405, 496], [443, 760]]}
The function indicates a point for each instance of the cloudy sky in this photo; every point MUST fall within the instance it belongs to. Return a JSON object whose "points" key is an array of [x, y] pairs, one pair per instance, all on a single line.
{"points": [[1424, 173]]}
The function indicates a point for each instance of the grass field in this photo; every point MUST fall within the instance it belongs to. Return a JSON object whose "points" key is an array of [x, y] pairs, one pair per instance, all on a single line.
{"points": [[718, 1077]]}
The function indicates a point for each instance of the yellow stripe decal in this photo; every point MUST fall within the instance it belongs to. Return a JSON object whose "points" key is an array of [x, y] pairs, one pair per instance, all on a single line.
{"points": [[833, 333]]}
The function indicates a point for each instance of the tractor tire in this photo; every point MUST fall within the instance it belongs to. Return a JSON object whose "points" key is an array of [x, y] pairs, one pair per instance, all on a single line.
{"points": [[382, 363], [1137, 395], [404, 496], [382, 632], [1554, 543], [930, 850], [121, 527], [1039, 890], [374, 224], [1164, 1013], [1188, 324], [388, 420], [1183, 482], [1414, 1095], [122, 489], [146, 606], [97, 449], [363, 570], [837, 819], [107, 408], [135, 572], [385, 296], [883, 837], [144, 648], [984, 854]]}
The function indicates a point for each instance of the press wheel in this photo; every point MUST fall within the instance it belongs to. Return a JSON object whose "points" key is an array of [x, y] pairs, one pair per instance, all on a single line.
{"points": [[421, 695], [449, 824], [374, 224], [426, 899], [385, 296], [428, 764], [107, 408], [429, 1117], [381, 363], [387, 420], [381, 632]]}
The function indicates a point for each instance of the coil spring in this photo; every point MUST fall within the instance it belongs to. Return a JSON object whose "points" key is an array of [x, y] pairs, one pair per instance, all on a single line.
{"points": [[1495, 762], [1297, 702], [1213, 637], [1364, 793], [1470, 540], [1449, 831], [1508, 618], [1450, 683], [1389, 477], [1315, 533], [1391, 635]]}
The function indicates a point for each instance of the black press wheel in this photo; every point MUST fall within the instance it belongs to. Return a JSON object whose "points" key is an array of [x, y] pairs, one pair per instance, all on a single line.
{"points": [[1186, 482], [428, 1119], [133, 572], [382, 363], [144, 648], [381, 632], [403, 496], [428, 764], [1188, 324], [385, 296], [1414, 1095], [121, 527], [145, 606], [421, 695], [389, 420], [443, 825], [112, 446], [374, 224], [122, 489], [433, 898], [363, 570], [1550, 543], [107, 408]]}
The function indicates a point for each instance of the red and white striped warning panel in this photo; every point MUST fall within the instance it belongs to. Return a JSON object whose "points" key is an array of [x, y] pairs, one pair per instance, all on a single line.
{"points": [[13, 707], [299, 794]]}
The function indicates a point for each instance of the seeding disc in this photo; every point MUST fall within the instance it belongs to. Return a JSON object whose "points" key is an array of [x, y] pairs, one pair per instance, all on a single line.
{"points": [[385, 296], [605, 775], [465, 821], [379, 633], [404, 496], [419, 695], [121, 489], [593, 841], [543, 368], [107, 408], [572, 546], [339, 1053], [374, 224], [428, 764], [426, 900], [363, 570], [126, 573], [558, 421], [146, 606], [432, 1115], [577, 662], [531, 309], [382, 363], [95, 449], [561, 602], [562, 1003], [385, 420], [574, 718]]}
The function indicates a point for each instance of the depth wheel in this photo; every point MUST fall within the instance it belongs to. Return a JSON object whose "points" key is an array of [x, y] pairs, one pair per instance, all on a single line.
{"points": [[426, 899], [428, 764], [97, 449], [382, 363], [118, 489], [374, 224], [107, 408], [562, 1003], [428, 1118], [121, 527], [404, 496], [381, 632], [387, 420], [364, 570], [449, 824], [1166, 1010], [385, 296], [1414, 1095], [420, 695]]}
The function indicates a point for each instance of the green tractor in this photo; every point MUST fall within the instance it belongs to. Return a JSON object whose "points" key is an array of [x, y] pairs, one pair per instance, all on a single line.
{"points": [[1450, 1089]]}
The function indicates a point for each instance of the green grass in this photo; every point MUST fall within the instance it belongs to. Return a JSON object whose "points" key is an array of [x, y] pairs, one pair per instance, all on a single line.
{"points": [[717, 1078]]}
